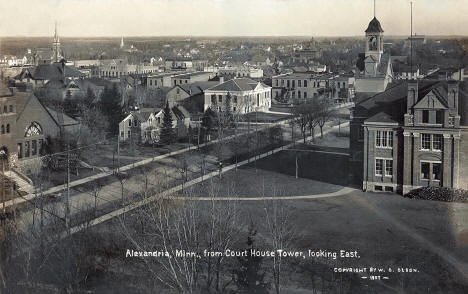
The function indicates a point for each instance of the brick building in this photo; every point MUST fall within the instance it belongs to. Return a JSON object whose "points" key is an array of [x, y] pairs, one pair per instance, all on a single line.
{"points": [[25, 123], [414, 134]]}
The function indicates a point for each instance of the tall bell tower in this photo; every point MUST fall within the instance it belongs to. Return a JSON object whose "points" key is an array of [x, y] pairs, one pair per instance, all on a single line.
{"points": [[374, 46], [374, 38]]}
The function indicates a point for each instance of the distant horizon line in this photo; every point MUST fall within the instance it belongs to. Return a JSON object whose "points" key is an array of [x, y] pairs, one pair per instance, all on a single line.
{"points": [[231, 36]]}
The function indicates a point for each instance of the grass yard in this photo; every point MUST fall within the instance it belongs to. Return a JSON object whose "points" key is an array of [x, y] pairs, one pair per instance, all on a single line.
{"points": [[386, 229]]}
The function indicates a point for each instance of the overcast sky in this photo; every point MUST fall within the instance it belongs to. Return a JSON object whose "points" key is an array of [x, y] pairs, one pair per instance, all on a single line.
{"points": [[228, 17]]}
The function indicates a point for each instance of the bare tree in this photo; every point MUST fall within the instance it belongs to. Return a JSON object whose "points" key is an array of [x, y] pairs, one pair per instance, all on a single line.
{"points": [[326, 113], [301, 119], [280, 233]]}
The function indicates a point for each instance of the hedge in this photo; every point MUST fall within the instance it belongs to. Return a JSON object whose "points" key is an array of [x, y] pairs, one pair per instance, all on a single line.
{"points": [[439, 194]]}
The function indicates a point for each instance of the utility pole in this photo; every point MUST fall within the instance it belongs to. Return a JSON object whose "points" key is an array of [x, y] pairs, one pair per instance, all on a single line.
{"points": [[198, 142], [411, 39], [256, 138], [297, 168], [118, 154], [3, 186], [67, 207]]}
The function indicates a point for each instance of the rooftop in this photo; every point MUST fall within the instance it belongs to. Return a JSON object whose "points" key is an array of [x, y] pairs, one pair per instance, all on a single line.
{"points": [[238, 84], [390, 105], [374, 26]]}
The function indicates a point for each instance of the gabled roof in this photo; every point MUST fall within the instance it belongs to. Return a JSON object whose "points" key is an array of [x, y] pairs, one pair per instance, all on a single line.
{"points": [[390, 105], [381, 117], [374, 26], [196, 88], [54, 71], [143, 114], [67, 121], [370, 58], [180, 112], [391, 102]]}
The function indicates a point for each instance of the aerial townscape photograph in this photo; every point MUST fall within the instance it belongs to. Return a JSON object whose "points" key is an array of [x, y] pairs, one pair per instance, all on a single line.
{"points": [[233, 146]]}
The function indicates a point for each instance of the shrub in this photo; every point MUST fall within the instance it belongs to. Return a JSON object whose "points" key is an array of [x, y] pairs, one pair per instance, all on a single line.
{"points": [[439, 194]]}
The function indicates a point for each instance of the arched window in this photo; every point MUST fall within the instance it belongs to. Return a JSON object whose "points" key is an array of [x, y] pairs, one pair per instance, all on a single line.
{"points": [[34, 129], [8, 128]]}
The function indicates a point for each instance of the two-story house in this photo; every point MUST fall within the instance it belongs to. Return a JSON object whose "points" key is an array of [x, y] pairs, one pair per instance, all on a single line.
{"points": [[246, 96]]}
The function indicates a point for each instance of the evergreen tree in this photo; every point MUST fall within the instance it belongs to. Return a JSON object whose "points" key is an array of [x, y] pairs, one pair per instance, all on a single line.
{"points": [[206, 124], [167, 135], [228, 115], [111, 108], [89, 98], [249, 278]]}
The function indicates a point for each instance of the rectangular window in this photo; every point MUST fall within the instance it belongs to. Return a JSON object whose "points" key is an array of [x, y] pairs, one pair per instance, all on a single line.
{"points": [[299, 94], [276, 83], [425, 141], [299, 83], [287, 84], [378, 167], [293, 83], [436, 171], [129, 122], [389, 167], [305, 95], [20, 150], [378, 188], [384, 139], [213, 99], [135, 123], [388, 189], [41, 146], [305, 83], [425, 116], [235, 99], [439, 117], [220, 98], [121, 134], [425, 167], [282, 83], [361, 133], [437, 141], [27, 150]]}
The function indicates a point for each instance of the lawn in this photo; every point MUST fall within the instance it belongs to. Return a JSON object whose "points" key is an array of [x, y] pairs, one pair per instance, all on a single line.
{"points": [[386, 229]]}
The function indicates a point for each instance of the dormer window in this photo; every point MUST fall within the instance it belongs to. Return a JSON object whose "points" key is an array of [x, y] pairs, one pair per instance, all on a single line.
{"points": [[425, 116], [439, 117]]}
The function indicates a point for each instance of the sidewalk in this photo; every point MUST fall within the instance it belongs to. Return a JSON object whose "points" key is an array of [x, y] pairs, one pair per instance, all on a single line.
{"points": [[60, 188]]}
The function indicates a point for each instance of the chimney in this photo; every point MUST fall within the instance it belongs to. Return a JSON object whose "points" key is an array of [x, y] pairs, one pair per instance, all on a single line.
{"points": [[452, 90], [412, 97], [221, 79]]}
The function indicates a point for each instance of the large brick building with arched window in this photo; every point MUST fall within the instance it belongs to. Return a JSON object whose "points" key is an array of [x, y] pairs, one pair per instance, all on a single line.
{"points": [[25, 123]]}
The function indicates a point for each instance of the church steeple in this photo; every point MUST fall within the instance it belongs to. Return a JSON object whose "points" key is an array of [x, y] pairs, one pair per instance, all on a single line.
{"points": [[57, 56]]}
